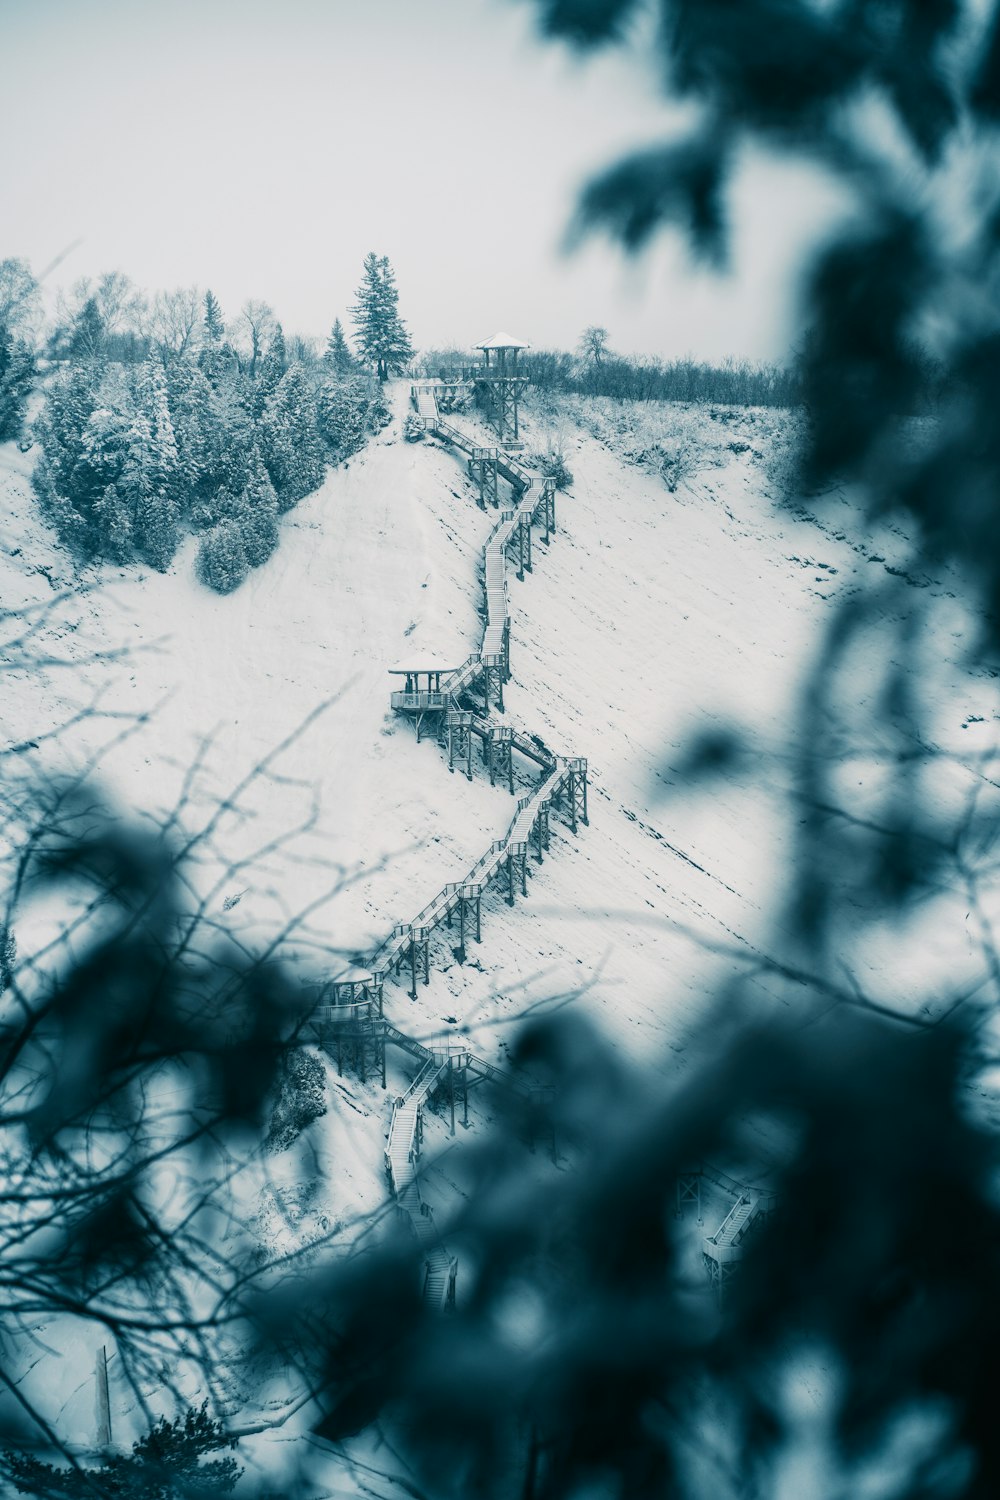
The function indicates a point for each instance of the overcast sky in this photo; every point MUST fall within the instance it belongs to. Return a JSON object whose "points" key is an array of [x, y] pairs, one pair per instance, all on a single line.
{"points": [[262, 148]]}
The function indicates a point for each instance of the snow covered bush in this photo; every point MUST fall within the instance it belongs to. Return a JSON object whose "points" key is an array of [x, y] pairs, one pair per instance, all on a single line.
{"points": [[300, 1098], [348, 412], [552, 463], [222, 558]]}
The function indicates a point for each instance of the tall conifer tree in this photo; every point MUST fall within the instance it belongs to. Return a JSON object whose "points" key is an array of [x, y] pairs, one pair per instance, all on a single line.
{"points": [[382, 335], [337, 355]]}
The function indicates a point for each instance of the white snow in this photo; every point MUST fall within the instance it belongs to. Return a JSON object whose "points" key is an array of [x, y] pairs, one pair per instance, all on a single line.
{"points": [[652, 614]]}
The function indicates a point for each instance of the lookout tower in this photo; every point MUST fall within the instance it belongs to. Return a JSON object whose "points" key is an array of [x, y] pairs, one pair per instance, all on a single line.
{"points": [[500, 380]]}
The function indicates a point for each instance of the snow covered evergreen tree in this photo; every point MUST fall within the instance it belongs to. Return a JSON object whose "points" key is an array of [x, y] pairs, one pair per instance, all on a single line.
{"points": [[222, 558], [155, 457], [259, 520], [337, 356], [290, 443], [114, 526], [86, 337], [17, 373], [348, 411], [215, 323], [382, 335]]}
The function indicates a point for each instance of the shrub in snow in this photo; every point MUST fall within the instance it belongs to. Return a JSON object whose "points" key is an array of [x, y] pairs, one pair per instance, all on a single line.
{"points": [[300, 1098], [553, 466], [413, 429], [222, 558]]}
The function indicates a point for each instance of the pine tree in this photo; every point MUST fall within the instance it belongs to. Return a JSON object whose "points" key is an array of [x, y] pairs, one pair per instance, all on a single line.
{"points": [[17, 373], [277, 354], [114, 526], [337, 355], [290, 443], [382, 335], [215, 325], [260, 515], [165, 1464], [222, 558], [162, 461], [87, 336]]}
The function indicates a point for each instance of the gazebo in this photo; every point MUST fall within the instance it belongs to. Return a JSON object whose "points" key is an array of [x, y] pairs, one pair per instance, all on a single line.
{"points": [[501, 380], [421, 692]]}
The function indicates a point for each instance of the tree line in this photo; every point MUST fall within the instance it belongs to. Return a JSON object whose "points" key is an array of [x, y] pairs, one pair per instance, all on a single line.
{"points": [[160, 418], [594, 369]]}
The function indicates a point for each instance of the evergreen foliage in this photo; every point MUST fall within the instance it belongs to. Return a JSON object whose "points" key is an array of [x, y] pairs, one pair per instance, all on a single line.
{"points": [[348, 411], [337, 356], [381, 333], [17, 375], [214, 323], [165, 1464], [299, 1098], [136, 453], [222, 557]]}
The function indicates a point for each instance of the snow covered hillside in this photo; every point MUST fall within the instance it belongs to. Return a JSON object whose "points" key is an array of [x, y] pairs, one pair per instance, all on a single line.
{"points": [[676, 598]]}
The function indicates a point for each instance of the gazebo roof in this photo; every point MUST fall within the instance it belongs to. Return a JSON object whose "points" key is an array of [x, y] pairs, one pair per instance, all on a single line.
{"points": [[503, 341], [422, 661]]}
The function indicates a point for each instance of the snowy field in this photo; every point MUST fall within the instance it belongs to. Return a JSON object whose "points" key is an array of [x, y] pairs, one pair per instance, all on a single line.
{"points": [[676, 598]]}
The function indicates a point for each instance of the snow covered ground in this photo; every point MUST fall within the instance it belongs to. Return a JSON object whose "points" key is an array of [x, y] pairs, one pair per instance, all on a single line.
{"points": [[676, 598]]}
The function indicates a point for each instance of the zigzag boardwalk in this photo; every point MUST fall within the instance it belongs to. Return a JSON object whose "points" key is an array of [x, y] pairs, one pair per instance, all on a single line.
{"points": [[458, 706]]}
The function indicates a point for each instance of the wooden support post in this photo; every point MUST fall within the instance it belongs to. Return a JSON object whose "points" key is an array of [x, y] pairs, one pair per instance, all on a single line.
{"points": [[382, 1058], [103, 1401], [526, 523], [413, 967], [510, 768], [479, 929], [510, 879], [538, 837], [461, 929], [465, 1096], [427, 960], [520, 552], [524, 871], [468, 749], [451, 1091]]}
